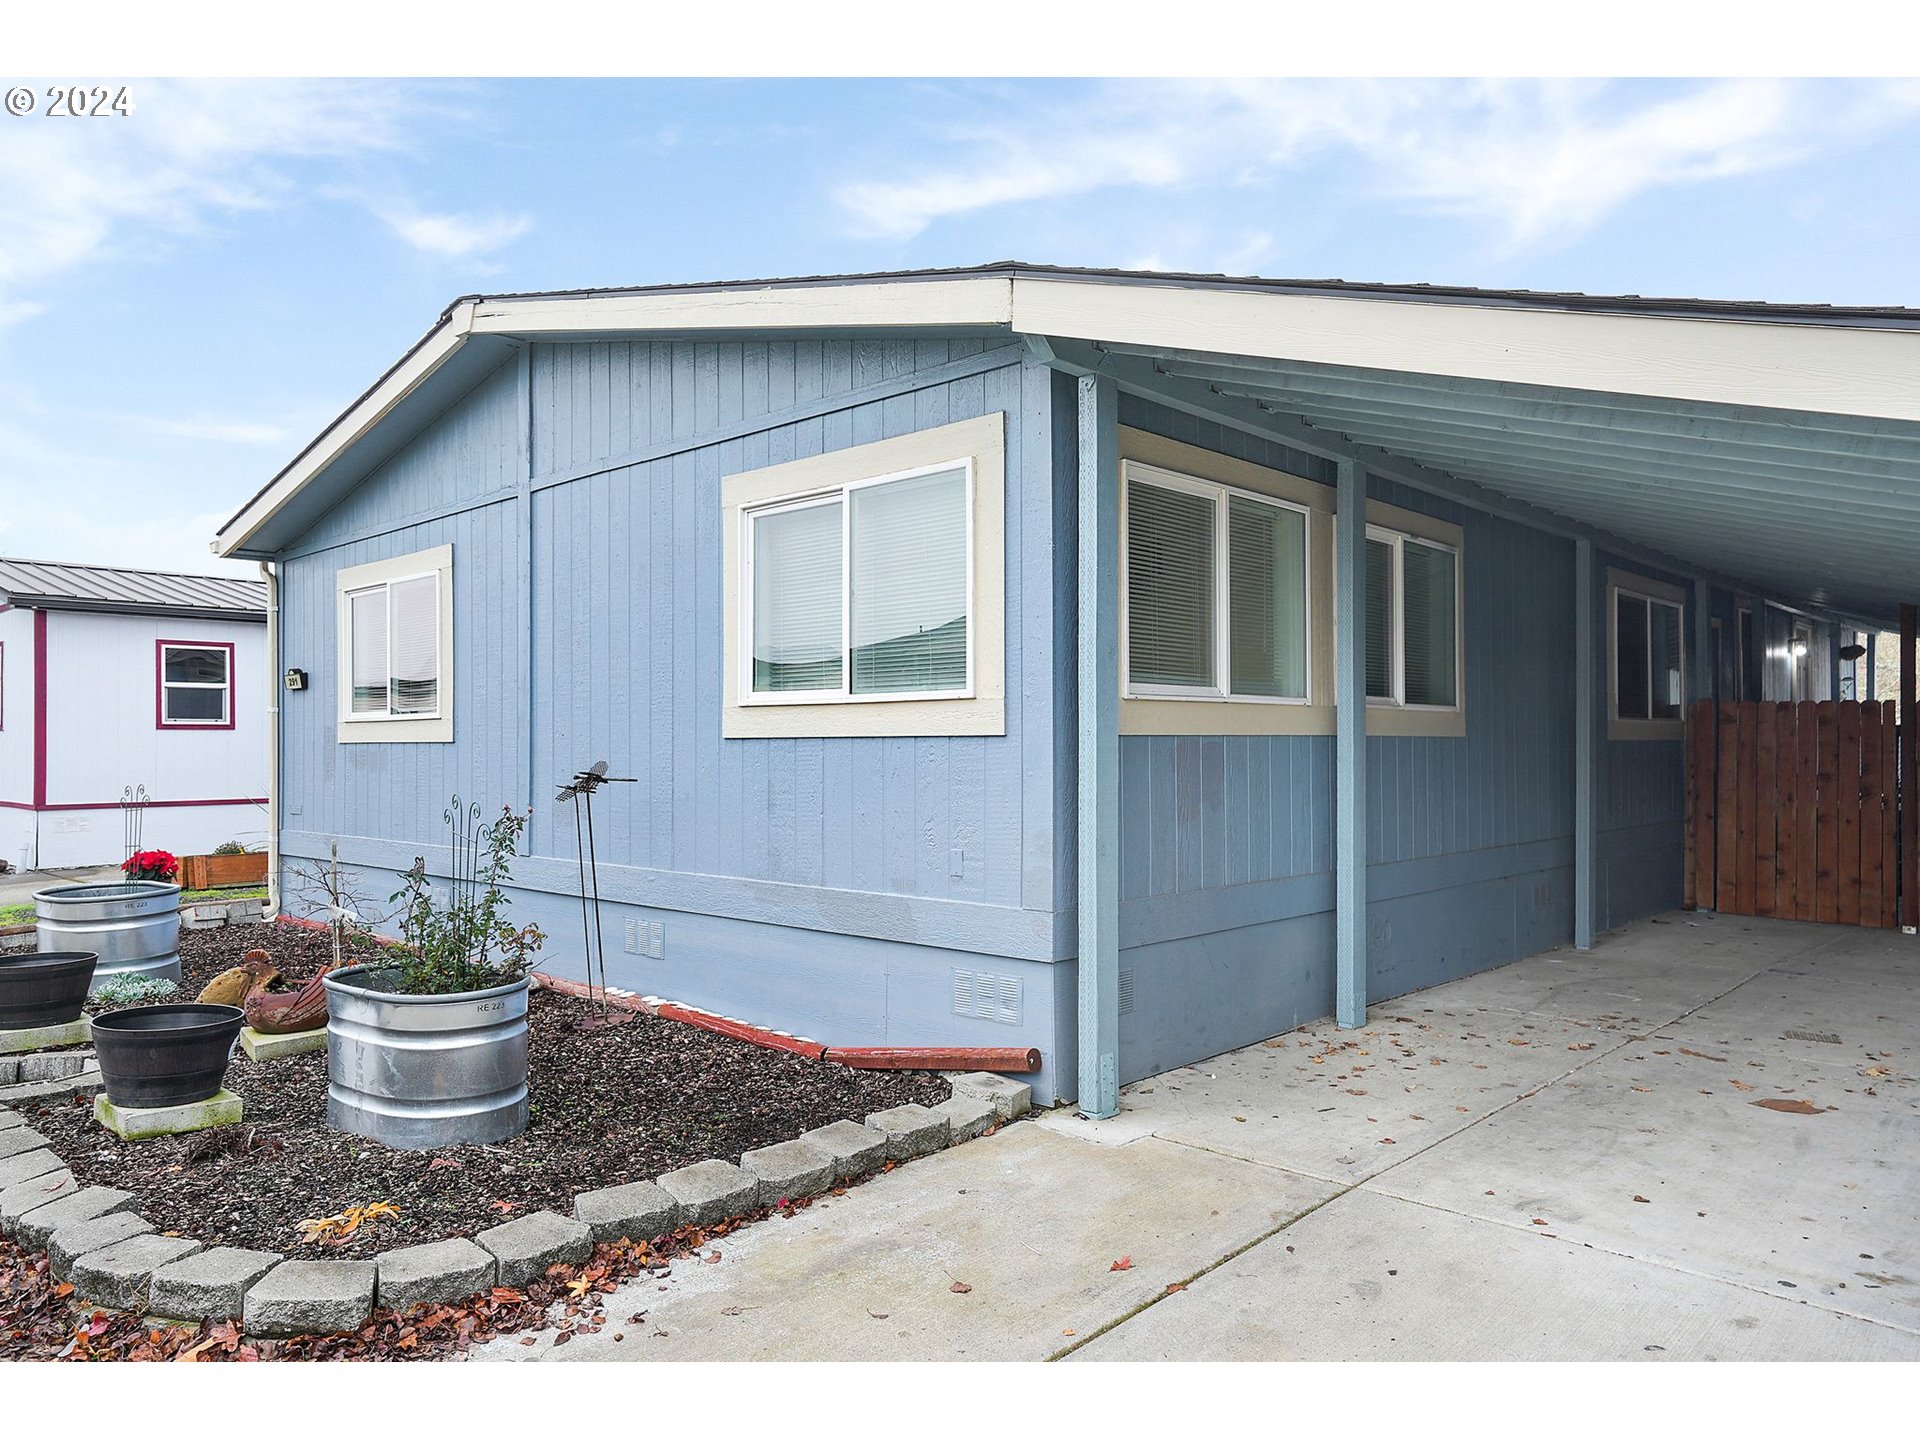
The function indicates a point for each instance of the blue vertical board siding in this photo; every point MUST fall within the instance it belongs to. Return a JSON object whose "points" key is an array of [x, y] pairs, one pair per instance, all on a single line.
{"points": [[758, 848]]}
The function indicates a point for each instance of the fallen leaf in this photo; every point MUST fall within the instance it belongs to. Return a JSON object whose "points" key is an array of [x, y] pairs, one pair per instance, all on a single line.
{"points": [[1787, 1107], [714, 1258], [1641, 1200], [1125, 1262], [1386, 1140], [1698, 1055], [1176, 1285], [503, 1206], [563, 1337], [961, 1287], [1740, 1085], [1069, 1332], [1539, 1222], [1581, 1045], [730, 1310], [445, 1162], [878, 1314]]}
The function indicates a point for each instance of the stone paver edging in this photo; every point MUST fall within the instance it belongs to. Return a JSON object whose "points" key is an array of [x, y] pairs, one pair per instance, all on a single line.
{"points": [[113, 1256]]}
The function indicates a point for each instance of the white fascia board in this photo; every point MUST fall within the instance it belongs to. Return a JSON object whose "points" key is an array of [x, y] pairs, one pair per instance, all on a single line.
{"points": [[885, 305], [440, 346], [1838, 370]]}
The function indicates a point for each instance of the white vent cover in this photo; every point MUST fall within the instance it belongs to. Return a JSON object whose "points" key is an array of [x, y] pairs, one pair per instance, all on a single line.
{"points": [[986, 997], [646, 937]]}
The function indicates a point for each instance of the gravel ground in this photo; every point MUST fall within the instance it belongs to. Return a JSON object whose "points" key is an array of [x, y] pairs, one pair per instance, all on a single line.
{"points": [[610, 1105]]}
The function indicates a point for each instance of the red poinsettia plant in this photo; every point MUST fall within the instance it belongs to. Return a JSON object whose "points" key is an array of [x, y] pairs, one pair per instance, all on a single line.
{"points": [[151, 865]]}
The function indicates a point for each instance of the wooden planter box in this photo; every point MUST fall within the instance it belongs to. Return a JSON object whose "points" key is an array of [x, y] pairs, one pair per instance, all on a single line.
{"points": [[210, 872]]}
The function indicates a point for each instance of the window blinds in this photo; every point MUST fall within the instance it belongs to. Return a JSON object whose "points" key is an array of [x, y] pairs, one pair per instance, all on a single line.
{"points": [[1428, 605], [1266, 586], [416, 645], [1170, 586], [796, 599], [1379, 619], [369, 660], [909, 573]]}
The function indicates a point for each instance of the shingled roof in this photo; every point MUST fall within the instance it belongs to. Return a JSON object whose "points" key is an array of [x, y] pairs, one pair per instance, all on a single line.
{"points": [[47, 585]]}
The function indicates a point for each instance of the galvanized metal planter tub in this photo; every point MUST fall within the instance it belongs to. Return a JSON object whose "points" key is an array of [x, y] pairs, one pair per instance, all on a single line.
{"points": [[132, 925], [421, 1071]]}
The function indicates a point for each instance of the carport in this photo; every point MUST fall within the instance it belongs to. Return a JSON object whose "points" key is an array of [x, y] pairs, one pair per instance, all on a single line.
{"points": [[1766, 457]]}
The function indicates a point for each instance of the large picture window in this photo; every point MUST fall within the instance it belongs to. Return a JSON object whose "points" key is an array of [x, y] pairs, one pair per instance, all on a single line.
{"points": [[396, 643], [1216, 590], [1413, 621], [194, 686], [864, 592]]}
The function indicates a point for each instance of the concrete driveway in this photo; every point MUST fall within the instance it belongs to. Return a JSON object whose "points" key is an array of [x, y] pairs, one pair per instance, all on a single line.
{"points": [[1567, 1158]]}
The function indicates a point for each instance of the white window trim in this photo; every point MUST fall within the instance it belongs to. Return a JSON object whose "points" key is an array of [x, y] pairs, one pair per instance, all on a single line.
{"points": [[1221, 495], [844, 494], [980, 444], [1654, 592], [224, 685], [428, 728]]}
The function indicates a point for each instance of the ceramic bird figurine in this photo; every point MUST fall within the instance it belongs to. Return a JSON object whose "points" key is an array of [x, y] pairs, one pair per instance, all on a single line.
{"points": [[289, 1012], [255, 971]]}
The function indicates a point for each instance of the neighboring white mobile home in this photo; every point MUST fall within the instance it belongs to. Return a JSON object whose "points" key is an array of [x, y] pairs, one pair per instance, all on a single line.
{"points": [[129, 685]]}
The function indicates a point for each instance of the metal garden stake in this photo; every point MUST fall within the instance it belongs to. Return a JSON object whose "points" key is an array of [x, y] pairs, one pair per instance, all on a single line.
{"points": [[580, 791]]}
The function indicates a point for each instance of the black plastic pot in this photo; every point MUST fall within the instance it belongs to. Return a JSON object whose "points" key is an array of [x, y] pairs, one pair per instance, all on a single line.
{"points": [[156, 1055], [47, 988]]}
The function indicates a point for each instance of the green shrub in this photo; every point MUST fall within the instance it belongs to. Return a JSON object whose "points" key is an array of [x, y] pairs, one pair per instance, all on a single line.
{"points": [[462, 941], [229, 847]]}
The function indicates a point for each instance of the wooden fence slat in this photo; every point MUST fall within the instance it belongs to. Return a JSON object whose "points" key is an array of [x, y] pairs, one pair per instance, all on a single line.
{"points": [[1786, 750], [1765, 804], [1846, 804], [1867, 801], [1725, 806], [1743, 826], [1806, 817], [1826, 894], [1889, 816]]}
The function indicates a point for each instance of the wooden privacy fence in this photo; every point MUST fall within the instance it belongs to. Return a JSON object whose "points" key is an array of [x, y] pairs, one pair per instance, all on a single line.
{"points": [[1792, 810]]}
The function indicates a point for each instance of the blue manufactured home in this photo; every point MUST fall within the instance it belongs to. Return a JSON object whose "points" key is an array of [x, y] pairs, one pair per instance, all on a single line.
{"points": [[975, 635]]}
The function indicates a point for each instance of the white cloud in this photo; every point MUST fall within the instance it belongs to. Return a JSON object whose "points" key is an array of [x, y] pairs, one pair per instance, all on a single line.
{"points": [[1537, 162], [458, 237], [191, 151]]}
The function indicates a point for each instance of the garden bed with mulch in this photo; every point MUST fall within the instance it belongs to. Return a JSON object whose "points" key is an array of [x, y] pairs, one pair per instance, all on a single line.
{"points": [[611, 1104]]}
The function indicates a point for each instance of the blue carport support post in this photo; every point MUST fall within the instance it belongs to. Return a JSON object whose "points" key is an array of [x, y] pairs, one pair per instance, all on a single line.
{"points": [[1350, 748], [1583, 743], [1099, 748]]}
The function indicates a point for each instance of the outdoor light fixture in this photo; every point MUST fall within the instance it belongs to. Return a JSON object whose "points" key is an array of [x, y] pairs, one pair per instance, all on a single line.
{"points": [[1852, 652]]}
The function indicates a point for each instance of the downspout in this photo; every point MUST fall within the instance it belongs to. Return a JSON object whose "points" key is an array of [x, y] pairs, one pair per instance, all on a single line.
{"points": [[272, 578]]}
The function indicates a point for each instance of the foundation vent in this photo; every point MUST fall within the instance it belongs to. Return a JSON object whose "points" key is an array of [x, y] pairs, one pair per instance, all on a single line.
{"points": [[1126, 991], [648, 938], [986, 997]]}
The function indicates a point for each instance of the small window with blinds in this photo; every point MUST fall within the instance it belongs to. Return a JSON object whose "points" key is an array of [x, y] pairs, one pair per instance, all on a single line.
{"points": [[1216, 591], [395, 638], [864, 592], [1413, 621], [1647, 661], [195, 687]]}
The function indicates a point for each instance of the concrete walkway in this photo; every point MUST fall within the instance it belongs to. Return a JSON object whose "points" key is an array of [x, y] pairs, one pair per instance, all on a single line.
{"points": [[17, 886], [1561, 1159]]}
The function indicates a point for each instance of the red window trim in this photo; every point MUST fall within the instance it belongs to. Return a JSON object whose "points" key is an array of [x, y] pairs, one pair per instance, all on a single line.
{"points": [[160, 721]]}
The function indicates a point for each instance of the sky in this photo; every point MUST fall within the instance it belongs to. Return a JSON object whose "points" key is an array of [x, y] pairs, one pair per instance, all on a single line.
{"points": [[190, 292]]}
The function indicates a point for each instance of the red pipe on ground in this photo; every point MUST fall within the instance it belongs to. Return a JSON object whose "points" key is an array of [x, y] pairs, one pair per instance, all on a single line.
{"points": [[737, 1030]]}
